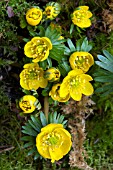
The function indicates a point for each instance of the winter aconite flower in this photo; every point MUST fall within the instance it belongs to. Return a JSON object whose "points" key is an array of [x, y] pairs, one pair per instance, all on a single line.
{"points": [[32, 77], [38, 48], [52, 74], [27, 103], [34, 16], [53, 142], [81, 60], [76, 83], [54, 93], [52, 10], [80, 17]]}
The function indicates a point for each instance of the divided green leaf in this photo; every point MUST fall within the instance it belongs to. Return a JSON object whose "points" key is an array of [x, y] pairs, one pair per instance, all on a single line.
{"points": [[105, 73], [83, 45], [56, 118], [57, 51], [31, 128], [64, 68], [43, 119]]}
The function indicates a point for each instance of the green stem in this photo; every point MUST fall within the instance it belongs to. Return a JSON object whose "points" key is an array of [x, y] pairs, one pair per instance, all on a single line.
{"points": [[46, 106], [53, 166]]}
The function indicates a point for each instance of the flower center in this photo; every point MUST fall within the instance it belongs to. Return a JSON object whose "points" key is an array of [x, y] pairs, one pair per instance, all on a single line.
{"points": [[32, 74], [39, 49], [81, 62], [26, 105], [75, 81], [51, 139], [49, 11], [35, 16], [80, 15]]}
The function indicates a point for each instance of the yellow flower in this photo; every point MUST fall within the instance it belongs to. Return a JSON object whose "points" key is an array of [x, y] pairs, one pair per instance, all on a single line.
{"points": [[32, 77], [27, 103], [38, 48], [76, 83], [81, 60], [52, 74], [80, 17], [52, 10], [53, 142], [54, 93], [34, 16]]}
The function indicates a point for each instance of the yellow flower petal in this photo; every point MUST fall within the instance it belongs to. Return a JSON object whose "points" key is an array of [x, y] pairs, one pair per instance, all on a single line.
{"points": [[43, 82], [27, 49], [66, 146], [87, 89], [76, 94], [65, 132], [86, 77], [48, 42], [33, 84], [64, 88], [55, 154], [55, 94], [84, 7], [89, 14], [41, 147], [75, 72], [24, 84], [51, 127], [84, 24], [31, 65]]}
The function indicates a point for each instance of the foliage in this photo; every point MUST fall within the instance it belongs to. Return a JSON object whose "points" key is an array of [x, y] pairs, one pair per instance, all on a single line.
{"points": [[14, 33], [12, 153], [105, 73], [99, 143], [4, 101]]}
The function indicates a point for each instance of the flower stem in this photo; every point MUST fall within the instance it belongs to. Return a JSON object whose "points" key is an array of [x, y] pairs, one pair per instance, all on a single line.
{"points": [[53, 166], [46, 106]]}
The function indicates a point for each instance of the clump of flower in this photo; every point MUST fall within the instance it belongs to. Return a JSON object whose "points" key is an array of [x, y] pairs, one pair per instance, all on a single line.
{"points": [[38, 48], [34, 16], [81, 17], [81, 60], [55, 95], [32, 77], [27, 103], [53, 142], [52, 74], [76, 83], [52, 10]]}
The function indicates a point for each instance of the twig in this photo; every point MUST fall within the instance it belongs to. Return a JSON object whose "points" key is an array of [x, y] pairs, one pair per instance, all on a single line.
{"points": [[46, 106], [7, 149]]}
